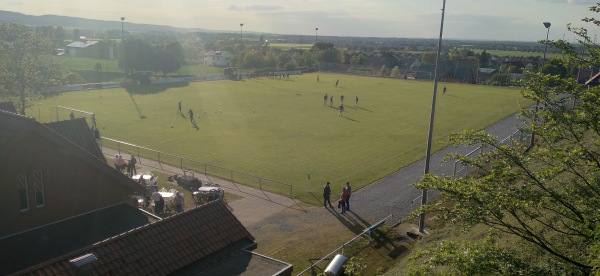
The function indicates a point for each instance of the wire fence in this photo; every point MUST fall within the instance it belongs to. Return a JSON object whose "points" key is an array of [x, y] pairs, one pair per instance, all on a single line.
{"points": [[187, 164]]}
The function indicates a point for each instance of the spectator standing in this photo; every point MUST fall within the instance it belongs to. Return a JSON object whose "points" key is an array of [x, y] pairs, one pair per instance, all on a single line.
{"points": [[326, 195], [341, 110], [348, 194], [156, 197], [356, 102], [178, 202], [131, 168], [343, 197], [179, 108]]}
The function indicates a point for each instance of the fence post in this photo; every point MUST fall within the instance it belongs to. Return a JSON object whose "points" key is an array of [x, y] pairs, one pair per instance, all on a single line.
{"points": [[454, 172], [119, 147], [139, 157], [204, 168], [291, 192], [260, 183], [181, 163], [158, 157], [231, 173]]}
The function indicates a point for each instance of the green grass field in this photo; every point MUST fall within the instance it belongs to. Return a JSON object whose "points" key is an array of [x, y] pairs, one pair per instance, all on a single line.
{"points": [[281, 130], [112, 65]]}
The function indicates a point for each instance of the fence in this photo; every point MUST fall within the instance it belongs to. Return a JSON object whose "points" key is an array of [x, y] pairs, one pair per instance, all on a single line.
{"points": [[186, 164], [367, 230], [461, 169]]}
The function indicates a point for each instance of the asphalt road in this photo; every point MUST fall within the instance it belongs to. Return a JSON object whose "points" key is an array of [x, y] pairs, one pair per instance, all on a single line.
{"points": [[394, 193]]}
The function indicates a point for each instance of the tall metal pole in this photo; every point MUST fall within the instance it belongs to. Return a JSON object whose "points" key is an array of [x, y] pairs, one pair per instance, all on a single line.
{"points": [[582, 52], [430, 135], [123, 45], [316, 36], [241, 38], [537, 102]]}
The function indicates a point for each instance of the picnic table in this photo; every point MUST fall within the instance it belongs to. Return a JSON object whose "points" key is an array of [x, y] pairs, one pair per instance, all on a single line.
{"points": [[207, 193]]}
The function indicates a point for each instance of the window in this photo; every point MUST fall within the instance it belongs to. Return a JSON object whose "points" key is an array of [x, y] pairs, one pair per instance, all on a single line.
{"points": [[38, 185], [22, 186]]}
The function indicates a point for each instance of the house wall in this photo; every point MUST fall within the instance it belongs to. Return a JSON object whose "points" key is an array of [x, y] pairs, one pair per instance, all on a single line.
{"points": [[72, 186]]}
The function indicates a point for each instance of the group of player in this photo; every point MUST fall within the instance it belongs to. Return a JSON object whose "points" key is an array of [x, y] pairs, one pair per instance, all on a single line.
{"points": [[190, 113], [327, 98]]}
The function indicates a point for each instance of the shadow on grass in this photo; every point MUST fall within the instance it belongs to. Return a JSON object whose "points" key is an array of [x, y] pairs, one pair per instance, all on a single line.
{"points": [[153, 89]]}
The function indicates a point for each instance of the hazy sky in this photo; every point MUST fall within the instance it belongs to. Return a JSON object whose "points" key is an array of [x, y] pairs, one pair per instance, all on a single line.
{"points": [[465, 19]]}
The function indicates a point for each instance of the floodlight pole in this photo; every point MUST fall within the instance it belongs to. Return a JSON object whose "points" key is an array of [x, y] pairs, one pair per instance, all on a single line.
{"points": [[430, 135], [123, 44], [537, 102], [316, 34]]}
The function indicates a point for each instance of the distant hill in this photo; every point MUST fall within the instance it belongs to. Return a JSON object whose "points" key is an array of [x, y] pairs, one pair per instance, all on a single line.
{"points": [[81, 23]]}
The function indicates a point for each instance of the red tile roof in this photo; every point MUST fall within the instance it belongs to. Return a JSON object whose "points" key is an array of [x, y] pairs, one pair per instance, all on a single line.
{"points": [[78, 132], [162, 247]]}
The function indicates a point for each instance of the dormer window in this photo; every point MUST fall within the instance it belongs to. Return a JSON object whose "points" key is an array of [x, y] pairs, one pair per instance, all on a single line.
{"points": [[23, 193]]}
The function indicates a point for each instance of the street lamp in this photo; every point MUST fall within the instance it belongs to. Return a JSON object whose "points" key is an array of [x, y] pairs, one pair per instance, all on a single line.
{"points": [[241, 38], [582, 52], [123, 45], [316, 31], [537, 102], [430, 135]]}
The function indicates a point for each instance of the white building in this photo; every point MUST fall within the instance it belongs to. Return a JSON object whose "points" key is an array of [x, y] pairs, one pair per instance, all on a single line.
{"points": [[217, 58]]}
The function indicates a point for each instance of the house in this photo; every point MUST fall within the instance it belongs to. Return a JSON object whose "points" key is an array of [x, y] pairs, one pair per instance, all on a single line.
{"points": [[90, 49], [46, 179], [217, 58], [67, 212], [207, 240], [485, 74]]}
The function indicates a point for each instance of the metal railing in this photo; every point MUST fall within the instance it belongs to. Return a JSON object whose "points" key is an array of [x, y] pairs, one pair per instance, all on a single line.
{"points": [[461, 169], [341, 248], [187, 164]]}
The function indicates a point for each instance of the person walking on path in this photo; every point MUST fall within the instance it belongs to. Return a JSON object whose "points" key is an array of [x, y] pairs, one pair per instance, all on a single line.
{"points": [[331, 101], [326, 195], [348, 194], [343, 197], [179, 108]]}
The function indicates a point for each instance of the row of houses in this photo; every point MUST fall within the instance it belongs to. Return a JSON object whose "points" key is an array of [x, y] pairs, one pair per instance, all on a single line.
{"points": [[65, 211]]}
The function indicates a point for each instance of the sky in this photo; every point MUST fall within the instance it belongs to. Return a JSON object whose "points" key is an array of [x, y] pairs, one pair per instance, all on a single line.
{"points": [[512, 20]]}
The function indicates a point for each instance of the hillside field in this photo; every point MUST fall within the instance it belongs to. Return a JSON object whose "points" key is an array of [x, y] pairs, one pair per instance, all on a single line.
{"points": [[280, 129]]}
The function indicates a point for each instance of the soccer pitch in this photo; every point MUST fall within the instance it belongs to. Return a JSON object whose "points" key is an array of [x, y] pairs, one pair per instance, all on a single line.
{"points": [[281, 129]]}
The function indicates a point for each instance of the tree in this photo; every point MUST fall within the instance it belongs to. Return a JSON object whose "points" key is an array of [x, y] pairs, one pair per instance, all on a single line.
{"points": [[253, 59], [76, 34], [384, 72], [167, 62], [395, 72], [176, 50], [547, 195], [27, 68]]}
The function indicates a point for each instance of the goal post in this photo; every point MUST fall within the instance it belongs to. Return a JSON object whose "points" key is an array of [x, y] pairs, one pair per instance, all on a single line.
{"points": [[67, 112]]}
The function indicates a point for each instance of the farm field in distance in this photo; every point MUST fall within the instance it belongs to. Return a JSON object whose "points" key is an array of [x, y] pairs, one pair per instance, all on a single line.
{"points": [[281, 130]]}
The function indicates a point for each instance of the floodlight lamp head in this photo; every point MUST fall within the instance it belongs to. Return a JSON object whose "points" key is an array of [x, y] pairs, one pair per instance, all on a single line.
{"points": [[122, 18], [547, 25]]}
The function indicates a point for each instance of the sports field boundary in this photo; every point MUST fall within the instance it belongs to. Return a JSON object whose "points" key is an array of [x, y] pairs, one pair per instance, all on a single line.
{"points": [[187, 164]]}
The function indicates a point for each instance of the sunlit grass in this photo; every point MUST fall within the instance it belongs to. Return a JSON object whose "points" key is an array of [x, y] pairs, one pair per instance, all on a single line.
{"points": [[280, 129]]}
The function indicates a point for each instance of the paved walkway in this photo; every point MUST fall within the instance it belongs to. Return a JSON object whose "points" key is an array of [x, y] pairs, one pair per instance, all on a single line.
{"points": [[393, 194], [254, 206]]}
